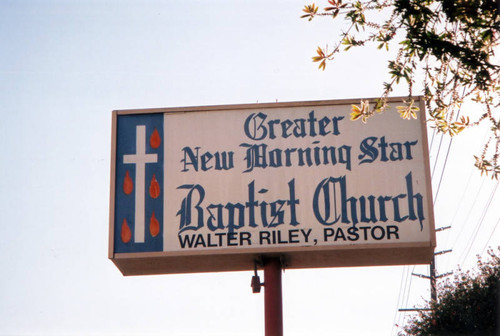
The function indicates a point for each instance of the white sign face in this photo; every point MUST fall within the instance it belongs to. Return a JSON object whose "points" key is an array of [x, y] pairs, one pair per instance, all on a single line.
{"points": [[210, 189]]}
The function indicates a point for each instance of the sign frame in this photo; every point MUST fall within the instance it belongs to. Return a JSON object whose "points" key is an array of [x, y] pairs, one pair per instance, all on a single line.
{"points": [[242, 259]]}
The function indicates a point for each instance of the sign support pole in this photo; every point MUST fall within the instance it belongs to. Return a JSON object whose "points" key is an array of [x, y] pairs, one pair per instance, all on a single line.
{"points": [[273, 298]]}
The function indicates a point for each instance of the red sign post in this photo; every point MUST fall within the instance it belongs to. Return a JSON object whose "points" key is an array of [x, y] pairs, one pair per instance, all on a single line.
{"points": [[273, 299]]}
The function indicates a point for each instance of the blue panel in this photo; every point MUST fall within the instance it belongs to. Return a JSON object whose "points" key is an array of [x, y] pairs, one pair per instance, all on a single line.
{"points": [[125, 202]]}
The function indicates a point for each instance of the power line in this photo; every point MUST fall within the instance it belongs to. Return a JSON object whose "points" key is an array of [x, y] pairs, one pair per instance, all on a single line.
{"points": [[491, 235], [405, 285], [395, 321], [432, 268], [478, 226], [470, 210], [445, 160], [471, 207], [407, 292], [480, 223], [432, 139], [409, 287], [444, 168], [437, 156], [459, 206]]}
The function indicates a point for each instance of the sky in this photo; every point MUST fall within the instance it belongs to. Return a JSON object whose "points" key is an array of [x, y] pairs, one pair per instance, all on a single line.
{"points": [[65, 65]]}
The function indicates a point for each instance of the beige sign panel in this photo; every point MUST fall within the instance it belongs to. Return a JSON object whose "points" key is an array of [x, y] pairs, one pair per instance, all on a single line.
{"points": [[203, 189]]}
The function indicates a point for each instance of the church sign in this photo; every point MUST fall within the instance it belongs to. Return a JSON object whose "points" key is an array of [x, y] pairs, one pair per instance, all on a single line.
{"points": [[213, 188]]}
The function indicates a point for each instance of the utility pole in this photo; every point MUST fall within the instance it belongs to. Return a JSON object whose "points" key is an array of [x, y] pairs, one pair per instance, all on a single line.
{"points": [[432, 275]]}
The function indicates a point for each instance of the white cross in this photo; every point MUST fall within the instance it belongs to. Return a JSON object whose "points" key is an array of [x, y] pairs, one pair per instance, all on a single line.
{"points": [[140, 158]]}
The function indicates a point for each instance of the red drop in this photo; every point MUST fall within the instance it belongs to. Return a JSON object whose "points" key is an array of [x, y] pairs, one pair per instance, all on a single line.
{"points": [[155, 139], [154, 188], [128, 184], [126, 234], [154, 225]]}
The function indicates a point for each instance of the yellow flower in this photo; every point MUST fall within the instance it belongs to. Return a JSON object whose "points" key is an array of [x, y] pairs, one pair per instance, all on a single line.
{"points": [[360, 111], [409, 111], [355, 112]]}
